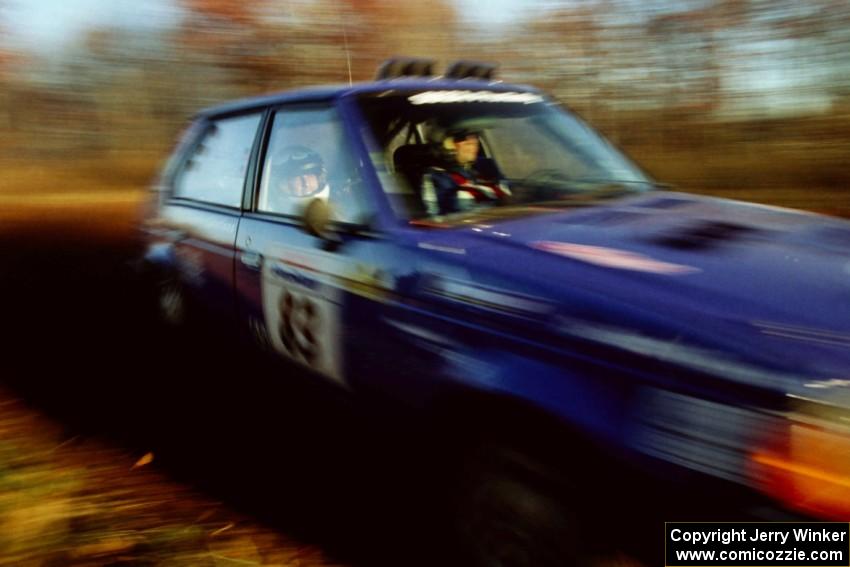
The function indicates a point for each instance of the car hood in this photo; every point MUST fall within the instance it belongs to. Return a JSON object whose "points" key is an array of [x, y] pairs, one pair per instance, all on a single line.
{"points": [[771, 284]]}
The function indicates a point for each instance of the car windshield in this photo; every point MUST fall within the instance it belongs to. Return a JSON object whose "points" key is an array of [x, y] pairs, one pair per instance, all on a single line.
{"points": [[528, 155]]}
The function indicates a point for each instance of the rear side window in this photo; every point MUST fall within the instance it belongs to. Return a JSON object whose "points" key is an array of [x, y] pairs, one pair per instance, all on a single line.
{"points": [[214, 171]]}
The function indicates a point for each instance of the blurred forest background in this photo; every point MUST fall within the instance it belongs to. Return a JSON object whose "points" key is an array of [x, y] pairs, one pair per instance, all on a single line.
{"points": [[740, 98]]}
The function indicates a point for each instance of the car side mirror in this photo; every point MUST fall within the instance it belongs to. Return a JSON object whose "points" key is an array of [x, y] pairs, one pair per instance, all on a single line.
{"points": [[316, 217]]}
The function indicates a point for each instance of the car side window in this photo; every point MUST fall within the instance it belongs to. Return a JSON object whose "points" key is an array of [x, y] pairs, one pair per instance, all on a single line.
{"points": [[214, 171], [308, 157]]}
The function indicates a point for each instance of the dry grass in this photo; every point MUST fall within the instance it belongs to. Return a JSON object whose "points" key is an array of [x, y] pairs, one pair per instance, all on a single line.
{"points": [[78, 502]]}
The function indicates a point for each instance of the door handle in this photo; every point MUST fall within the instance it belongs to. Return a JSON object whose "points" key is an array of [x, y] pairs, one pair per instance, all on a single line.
{"points": [[251, 259]]}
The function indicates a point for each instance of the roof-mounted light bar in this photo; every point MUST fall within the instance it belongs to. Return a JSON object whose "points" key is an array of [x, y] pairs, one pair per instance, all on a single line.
{"points": [[471, 70], [405, 67]]}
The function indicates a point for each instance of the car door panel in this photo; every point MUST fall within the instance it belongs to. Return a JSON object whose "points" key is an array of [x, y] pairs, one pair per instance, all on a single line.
{"points": [[203, 210], [204, 251], [292, 286]]}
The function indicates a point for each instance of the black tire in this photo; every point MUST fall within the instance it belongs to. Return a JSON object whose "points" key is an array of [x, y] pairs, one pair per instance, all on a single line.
{"points": [[171, 302], [513, 512]]}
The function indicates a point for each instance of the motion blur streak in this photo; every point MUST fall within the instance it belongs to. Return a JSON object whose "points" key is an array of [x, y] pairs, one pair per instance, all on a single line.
{"points": [[741, 99]]}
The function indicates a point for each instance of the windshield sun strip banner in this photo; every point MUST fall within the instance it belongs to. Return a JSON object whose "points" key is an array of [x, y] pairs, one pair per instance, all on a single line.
{"points": [[448, 97]]}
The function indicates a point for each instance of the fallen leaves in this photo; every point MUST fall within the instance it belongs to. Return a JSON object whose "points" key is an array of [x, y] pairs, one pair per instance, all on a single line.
{"points": [[146, 459]]}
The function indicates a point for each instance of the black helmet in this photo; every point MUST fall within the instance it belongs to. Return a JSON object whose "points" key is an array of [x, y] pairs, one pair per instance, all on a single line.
{"points": [[295, 161], [439, 131]]}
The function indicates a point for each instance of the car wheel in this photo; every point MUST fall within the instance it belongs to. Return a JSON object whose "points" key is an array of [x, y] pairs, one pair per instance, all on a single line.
{"points": [[511, 514], [171, 302]]}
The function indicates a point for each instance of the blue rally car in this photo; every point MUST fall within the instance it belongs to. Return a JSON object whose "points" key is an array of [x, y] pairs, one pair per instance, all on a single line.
{"points": [[472, 252]]}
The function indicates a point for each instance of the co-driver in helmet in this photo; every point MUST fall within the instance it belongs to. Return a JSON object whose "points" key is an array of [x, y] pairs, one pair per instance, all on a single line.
{"points": [[299, 177]]}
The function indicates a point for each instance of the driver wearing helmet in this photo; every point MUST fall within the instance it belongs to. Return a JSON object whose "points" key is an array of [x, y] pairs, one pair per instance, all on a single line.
{"points": [[300, 177], [461, 181]]}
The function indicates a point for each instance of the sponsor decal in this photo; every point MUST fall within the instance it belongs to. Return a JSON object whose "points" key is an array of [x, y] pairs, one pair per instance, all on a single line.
{"points": [[295, 277]]}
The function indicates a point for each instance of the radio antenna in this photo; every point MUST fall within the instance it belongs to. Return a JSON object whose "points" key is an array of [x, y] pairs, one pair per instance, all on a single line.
{"points": [[347, 51]]}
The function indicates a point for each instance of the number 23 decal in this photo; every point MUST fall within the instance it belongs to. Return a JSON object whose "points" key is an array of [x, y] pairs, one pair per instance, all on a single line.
{"points": [[302, 319], [300, 326]]}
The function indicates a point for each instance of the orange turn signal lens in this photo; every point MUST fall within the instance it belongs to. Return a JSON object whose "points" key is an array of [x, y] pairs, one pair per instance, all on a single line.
{"points": [[809, 471]]}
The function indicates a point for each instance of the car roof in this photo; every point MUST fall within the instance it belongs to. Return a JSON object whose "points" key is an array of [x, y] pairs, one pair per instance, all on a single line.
{"points": [[331, 92]]}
